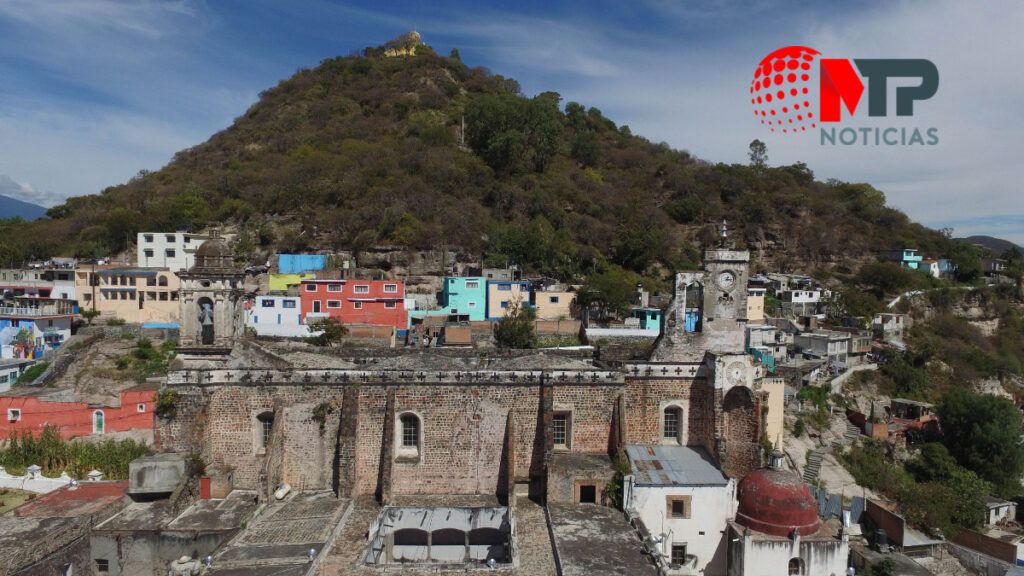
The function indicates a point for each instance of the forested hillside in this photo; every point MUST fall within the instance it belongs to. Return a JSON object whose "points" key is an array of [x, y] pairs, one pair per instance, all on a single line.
{"points": [[425, 151]]}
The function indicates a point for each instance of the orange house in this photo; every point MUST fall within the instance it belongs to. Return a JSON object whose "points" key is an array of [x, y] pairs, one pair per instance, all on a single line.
{"points": [[28, 409], [355, 302]]}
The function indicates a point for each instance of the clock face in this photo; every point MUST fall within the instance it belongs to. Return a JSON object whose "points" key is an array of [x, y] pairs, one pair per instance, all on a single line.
{"points": [[726, 280], [736, 372]]}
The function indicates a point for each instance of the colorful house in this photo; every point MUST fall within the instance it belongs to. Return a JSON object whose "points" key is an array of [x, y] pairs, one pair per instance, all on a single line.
{"points": [[355, 302], [462, 298], [10, 370], [31, 326], [135, 295], [553, 304], [32, 409], [281, 282], [503, 295], [907, 257], [276, 316], [300, 263]]}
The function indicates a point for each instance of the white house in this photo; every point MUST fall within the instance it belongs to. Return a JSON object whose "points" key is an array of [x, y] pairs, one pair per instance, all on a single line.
{"points": [[827, 344], [684, 503], [10, 370], [174, 250], [277, 316], [800, 301]]}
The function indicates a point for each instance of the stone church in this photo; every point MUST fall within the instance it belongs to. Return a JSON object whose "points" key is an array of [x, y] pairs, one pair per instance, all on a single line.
{"points": [[394, 423]]}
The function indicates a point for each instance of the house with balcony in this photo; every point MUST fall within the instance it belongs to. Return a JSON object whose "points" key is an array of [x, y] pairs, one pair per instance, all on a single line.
{"points": [[133, 294], [906, 257], [29, 327], [354, 302], [800, 301], [174, 251]]}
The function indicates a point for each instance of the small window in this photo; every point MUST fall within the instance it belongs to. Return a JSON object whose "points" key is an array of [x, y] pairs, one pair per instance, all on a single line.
{"points": [[169, 237], [357, 305], [362, 289], [560, 426], [102, 565], [267, 303], [588, 494], [473, 285], [148, 238], [13, 414], [796, 567], [471, 305], [148, 252], [391, 304], [552, 299], [390, 288], [140, 408], [409, 435], [334, 303], [264, 428], [504, 304], [98, 422], [334, 287], [679, 554], [678, 506], [170, 252], [163, 280], [505, 287], [672, 424], [151, 281], [288, 304]]}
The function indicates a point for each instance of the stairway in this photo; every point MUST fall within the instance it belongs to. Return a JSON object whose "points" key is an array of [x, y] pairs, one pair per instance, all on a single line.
{"points": [[813, 466]]}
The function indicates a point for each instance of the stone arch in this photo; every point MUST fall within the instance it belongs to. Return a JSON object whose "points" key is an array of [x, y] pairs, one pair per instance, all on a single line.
{"points": [[740, 431]]}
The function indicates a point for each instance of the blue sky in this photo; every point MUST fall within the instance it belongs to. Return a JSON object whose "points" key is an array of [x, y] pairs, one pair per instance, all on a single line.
{"points": [[95, 90]]}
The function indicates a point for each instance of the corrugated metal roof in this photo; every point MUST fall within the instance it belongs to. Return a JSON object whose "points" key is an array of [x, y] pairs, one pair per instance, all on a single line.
{"points": [[673, 466]]}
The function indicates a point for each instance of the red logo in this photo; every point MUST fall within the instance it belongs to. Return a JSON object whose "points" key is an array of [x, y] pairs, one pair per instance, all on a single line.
{"points": [[782, 91]]}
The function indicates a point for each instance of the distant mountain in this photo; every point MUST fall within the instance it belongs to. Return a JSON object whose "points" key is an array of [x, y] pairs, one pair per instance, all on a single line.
{"points": [[11, 208], [997, 245]]}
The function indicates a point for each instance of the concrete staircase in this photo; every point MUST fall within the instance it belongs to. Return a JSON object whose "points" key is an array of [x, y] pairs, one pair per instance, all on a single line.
{"points": [[813, 466]]}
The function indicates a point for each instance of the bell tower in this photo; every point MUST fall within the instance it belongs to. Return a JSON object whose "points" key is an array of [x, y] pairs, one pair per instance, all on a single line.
{"points": [[211, 297]]}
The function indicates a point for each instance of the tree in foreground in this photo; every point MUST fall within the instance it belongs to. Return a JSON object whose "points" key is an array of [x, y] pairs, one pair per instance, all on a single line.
{"points": [[983, 433], [515, 330], [331, 331]]}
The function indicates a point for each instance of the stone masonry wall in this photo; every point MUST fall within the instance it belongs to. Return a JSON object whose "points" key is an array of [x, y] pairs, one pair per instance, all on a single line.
{"points": [[645, 400]]}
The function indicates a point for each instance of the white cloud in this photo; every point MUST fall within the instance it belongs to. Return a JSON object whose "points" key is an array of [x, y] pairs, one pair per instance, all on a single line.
{"points": [[26, 192]]}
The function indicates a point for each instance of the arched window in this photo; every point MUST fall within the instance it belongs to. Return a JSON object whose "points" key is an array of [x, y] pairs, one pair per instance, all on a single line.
{"points": [[796, 567], [163, 280], [448, 537], [410, 435], [98, 423], [672, 424], [264, 427], [411, 537]]}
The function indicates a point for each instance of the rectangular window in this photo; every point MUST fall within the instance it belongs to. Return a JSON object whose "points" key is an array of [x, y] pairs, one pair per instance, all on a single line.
{"points": [[357, 305], [671, 424], [553, 299], [390, 305], [267, 303], [560, 429], [310, 287], [679, 554], [316, 306], [334, 287], [163, 296], [504, 304], [102, 565], [362, 289], [170, 253], [148, 238], [169, 237], [334, 303], [588, 494], [390, 288], [148, 252], [471, 305], [3, 379], [505, 287], [678, 506], [288, 304], [151, 281], [473, 285], [140, 408]]}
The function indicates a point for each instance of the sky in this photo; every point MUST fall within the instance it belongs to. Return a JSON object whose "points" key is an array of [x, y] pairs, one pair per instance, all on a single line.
{"points": [[93, 91]]}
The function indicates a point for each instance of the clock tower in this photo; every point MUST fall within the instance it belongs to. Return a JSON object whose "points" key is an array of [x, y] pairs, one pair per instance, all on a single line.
{"points": [[724, 318]]}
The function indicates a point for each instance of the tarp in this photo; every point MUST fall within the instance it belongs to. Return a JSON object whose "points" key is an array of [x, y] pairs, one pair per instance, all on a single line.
{"points": [[299, 263]]}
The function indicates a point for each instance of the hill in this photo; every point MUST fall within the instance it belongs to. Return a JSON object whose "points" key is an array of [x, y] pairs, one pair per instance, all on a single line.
{"points": [[424, 151], [13, 208], [996, 245]]}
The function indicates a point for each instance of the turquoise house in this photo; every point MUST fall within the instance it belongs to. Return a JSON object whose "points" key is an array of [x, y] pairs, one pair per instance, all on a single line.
{"points": [[650, 318], [463, 297]]}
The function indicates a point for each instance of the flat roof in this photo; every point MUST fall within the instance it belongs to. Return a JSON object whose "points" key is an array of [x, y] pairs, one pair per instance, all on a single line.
{"points": [[673, 466], [88, 498]]}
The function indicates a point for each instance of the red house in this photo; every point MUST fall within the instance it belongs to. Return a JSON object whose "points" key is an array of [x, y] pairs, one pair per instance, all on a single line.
{"points": [[33, 409], [355, 302]]}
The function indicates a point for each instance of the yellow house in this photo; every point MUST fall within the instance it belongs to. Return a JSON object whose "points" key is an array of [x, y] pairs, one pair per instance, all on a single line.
{"points": [[280, 282], [553, 304], [503, 295], [135, 295], [755, 305]]}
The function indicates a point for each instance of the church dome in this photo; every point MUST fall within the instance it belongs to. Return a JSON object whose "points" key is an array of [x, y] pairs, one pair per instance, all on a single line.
{"points": [[776, 502], [214, 254]]}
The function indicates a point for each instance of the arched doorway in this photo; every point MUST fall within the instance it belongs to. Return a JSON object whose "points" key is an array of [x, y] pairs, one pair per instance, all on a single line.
{"points": [[98, 422], [205, 315]]}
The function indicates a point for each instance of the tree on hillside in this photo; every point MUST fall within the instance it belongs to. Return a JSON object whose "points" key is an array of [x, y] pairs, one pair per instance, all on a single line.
{"points": [[515, 329], [758, 155], [609, 292], [883, 278], [983, 433]]}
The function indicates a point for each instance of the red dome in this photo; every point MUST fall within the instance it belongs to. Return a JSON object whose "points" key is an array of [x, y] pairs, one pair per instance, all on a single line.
{"points": [[775, 502]]}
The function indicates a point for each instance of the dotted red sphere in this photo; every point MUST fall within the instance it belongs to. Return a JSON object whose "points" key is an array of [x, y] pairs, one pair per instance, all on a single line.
{"points": [[774, 78]]}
